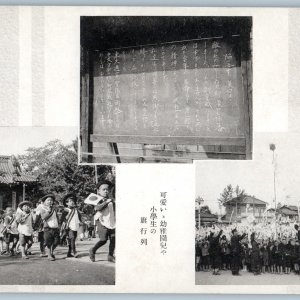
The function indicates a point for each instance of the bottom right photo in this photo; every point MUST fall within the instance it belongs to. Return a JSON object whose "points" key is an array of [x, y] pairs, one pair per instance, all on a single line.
{"points": [[247, 216]]}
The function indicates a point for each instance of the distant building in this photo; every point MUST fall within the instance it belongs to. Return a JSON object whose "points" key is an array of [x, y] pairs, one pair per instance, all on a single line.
{"points": [[206, 218], [13, 183], [288, 213], [270, 214], [243, 209]]}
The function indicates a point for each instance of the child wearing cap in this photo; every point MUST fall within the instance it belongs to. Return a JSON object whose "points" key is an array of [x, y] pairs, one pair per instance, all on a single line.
{"points": [[71, 220], [107, 222], [49, 215], [40, 229], [11, 233], [25, 227]]}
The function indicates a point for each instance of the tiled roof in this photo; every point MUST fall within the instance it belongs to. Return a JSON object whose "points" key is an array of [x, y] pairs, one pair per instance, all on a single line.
{"points": [[245, 200], [288, 210], [11, 173]]}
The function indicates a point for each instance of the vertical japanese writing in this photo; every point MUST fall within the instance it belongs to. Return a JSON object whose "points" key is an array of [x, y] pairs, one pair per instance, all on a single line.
{"points": [[196, 85], [124, 62], [143, 231], [153, 220], [116, 69], [143, 53], [109, 99], [102, 90], [229, 86], [206, 94], [177, 109], [134, 89], [217, 90], [155, 100], [163, 65], [186, 87], [155, 225], [163, 238]]}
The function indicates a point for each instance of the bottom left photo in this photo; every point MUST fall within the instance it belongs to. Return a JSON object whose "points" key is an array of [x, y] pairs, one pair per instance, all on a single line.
{"points": [[57, 218]]}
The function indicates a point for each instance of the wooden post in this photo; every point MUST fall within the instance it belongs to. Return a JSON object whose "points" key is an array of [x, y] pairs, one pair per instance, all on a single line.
{"points": [[24, 191], [236, 211], [96, 175]]}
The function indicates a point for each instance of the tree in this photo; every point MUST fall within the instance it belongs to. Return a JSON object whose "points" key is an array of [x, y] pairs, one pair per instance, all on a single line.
{"points": [[205, 209], [229, 193], [199, 200], [226, 195], [56, 167], [239, 192]]}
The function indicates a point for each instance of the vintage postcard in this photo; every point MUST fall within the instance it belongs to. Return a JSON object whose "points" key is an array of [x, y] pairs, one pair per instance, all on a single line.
{"points": [[149, 150]]}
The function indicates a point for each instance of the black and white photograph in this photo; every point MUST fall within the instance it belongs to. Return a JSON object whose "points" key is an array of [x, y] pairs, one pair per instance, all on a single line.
{"points": [[247, 217], [181, 124], [57, 219], [165, 89]]}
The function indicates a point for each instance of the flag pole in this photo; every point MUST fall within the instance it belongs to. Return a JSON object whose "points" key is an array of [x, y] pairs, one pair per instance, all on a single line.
{"points": [[96, 175]]}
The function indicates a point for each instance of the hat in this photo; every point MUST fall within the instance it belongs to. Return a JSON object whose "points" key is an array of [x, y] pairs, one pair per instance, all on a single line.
{"points": [[25, 203], [234, 230], [47, 196], [68, 196], [104, 182]]}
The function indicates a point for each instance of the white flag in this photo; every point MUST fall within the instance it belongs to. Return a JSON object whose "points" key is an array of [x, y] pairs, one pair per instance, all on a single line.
{"points": [[93, 199]]}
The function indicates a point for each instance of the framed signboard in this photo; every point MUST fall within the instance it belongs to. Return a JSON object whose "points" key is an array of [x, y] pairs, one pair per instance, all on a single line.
{"points": [[168, 81]]}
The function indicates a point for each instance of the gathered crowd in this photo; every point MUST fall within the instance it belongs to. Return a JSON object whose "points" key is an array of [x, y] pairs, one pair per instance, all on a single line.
{"points": [[257, 249], [51, 226]]}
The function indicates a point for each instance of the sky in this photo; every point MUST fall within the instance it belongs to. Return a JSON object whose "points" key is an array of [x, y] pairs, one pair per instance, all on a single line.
{"points": [[15, 140], [255, 176]]}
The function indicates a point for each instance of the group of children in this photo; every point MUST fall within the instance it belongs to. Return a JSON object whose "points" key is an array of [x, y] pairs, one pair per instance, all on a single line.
{"points": [[53, 226], [218, 252]]}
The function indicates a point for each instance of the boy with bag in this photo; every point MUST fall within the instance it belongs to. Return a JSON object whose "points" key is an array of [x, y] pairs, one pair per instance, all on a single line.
{"points": [[70, 220], [49, 215], [10, 231], [25, 219], [107, 222]]}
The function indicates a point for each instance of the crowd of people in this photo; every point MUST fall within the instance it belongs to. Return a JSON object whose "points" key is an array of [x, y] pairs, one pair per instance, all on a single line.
{"points": [[256, 248], [51, 226]]}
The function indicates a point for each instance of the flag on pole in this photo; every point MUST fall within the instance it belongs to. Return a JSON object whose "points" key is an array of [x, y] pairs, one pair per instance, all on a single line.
{"points": [[93, 199]]}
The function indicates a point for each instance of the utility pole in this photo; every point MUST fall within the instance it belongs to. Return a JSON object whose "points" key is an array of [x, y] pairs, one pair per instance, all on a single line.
{"points": [[24, 191], [273, 148]]}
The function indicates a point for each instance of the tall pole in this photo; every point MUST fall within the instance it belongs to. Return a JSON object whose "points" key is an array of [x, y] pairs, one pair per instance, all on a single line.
{"points": [[236, 212], [298, 212], [23, 191], [272, 148], [274, 163], [96, 175], [199, 215]]}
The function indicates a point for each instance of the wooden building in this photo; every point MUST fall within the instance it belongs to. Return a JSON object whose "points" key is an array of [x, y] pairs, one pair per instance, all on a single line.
{"points": [[206, 218], [13, 183], [288, 213], [165, 89], [244, 208]]}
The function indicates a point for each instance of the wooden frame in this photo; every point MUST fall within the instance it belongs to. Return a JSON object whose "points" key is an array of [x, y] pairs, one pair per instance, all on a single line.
{"points": [[89, 138]]}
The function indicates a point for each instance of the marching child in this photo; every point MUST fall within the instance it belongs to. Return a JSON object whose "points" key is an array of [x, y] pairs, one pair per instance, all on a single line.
{"points": [[71, 220], [1, 234], [40, 229], [49, 215], [205, 256], [25, 219], [11, 233], [107, 222]]}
